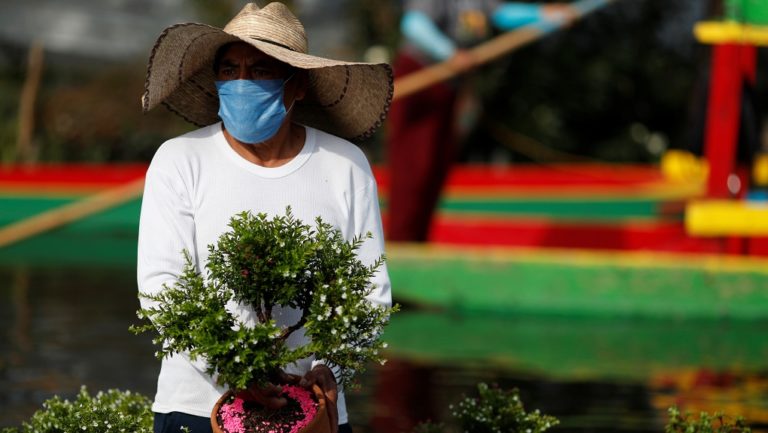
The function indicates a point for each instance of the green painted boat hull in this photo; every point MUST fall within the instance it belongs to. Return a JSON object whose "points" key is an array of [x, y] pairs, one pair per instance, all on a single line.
{"points": [[585, 348]]}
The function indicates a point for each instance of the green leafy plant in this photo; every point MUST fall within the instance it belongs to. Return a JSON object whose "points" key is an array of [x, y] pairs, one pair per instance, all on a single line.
{"points": [[704, 423], [112, 411], [494, 410], [498, 411], [270, 264]]}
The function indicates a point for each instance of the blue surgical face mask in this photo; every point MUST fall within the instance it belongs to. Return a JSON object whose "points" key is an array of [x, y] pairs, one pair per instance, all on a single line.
{"points": [[252, 110]]}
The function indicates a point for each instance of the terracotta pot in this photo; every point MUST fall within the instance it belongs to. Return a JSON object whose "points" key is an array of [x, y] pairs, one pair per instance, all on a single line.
{"points": [[319, 424]]}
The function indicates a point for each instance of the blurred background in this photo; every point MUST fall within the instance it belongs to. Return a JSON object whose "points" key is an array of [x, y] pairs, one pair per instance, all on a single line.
{"points": [[618, 87], [561, 259]]}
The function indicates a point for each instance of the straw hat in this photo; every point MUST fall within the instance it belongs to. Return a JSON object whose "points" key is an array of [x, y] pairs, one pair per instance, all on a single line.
{"points": [[347, 99]]}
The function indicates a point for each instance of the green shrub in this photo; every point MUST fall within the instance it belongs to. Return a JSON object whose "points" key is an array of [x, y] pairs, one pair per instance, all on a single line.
{"points": [[499, 411], [705, 423], [265, 263], [113, 411], [494, 410]]}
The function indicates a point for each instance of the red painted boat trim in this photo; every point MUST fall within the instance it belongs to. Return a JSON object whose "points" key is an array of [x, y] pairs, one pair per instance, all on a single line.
{"points": [[466, 178], [67, 178], [520, 232]]}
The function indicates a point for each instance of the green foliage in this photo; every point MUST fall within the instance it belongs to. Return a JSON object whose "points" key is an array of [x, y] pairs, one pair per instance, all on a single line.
{"points": [[705, 423], [267, 264], [499, 411], [107, 412]]}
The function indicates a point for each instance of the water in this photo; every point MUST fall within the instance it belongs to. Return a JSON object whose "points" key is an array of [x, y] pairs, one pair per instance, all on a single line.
{"points": [[64, 327]]}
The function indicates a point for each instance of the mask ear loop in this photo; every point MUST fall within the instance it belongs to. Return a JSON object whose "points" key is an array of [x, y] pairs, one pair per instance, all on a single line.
{"points": [[294, 99]]}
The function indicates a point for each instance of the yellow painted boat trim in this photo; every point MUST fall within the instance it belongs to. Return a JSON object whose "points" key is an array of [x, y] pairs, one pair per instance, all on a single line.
{"points": [[661, 191], [580, 257], [726, 218], [724, 32]]}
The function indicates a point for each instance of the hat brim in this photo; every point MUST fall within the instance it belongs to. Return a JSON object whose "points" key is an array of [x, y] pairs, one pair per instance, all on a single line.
{"points": [[347, 99]]}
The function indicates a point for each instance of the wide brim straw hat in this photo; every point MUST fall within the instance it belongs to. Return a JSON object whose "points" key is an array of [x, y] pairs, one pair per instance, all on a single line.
{"points": [[347, 99]]}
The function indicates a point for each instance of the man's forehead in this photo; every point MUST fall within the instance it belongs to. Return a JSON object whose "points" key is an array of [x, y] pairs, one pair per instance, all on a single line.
{"points": [[241, 50]]}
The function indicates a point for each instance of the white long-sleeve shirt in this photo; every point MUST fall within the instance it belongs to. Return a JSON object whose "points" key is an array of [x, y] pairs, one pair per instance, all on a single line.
{"points": [[197, 182]]}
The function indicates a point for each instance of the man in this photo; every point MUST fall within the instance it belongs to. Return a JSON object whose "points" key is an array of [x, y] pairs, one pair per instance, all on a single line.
{"points": [[421, 136], [281, 141]]}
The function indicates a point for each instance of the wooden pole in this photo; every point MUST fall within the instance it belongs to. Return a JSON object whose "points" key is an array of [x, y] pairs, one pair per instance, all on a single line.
{"points": [[70, 212], [24, 148], [491, 50]]}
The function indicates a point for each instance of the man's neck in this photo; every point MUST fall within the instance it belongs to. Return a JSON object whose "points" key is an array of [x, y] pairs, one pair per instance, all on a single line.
{"points": [[277, 151]]}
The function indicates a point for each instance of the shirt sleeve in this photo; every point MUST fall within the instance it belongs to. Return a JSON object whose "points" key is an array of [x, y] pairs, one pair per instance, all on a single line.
{"points": [[421, 31], [508, 16], [166, 228], [368, 220]]}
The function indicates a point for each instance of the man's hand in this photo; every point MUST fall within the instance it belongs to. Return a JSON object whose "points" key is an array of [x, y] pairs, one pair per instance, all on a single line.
{"points": [[322, 376]]}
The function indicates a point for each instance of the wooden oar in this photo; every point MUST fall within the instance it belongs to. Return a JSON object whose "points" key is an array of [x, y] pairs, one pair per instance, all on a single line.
{"points": [[71, 212], [491, 50]]}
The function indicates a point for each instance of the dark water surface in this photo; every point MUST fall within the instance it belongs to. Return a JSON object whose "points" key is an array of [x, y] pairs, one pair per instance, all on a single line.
{"points": [[67, 327]]}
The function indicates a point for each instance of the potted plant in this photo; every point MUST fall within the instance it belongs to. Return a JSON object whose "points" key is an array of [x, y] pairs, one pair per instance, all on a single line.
{"points": [[270, 264], [704, 423], [112, 411], [494, 410]]}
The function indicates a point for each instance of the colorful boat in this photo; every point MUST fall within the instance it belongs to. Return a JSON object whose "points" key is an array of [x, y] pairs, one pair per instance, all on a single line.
{"points": [[569, 240]]}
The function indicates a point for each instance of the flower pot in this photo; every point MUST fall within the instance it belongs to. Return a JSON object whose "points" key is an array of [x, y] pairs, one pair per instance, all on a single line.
{"points": [[319, 424]]}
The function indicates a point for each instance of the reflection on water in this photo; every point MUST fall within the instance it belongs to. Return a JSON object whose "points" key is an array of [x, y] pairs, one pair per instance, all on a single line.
{"points": [[67, 327]]}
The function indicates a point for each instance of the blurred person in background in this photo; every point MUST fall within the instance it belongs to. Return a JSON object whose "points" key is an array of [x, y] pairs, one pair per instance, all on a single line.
{"points": [[422, 132]]}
